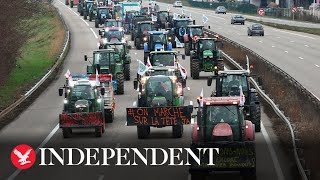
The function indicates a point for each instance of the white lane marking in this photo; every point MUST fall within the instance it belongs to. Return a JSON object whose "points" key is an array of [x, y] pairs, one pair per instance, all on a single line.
{"points": [[278, 37], [292, 41], [286, 51], [191, 103], [272, 153], [85, 22], [125, 124], [101, 177], [188, 88], [300, 57], [317, 65], [306, 45], [260, 41], [134, 103], [118, 145], [294, 34], [68, 8], [44, 142], [249, 37], [273, 46], [74, 12], [94, 33]]}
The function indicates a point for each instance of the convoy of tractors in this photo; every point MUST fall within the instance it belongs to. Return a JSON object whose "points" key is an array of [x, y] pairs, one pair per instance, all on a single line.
{"points": [[227, 120]]}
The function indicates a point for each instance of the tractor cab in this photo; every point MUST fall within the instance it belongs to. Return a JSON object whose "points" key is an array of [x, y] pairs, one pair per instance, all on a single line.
{"points": [[163, 58], [140, 32], [114, 34], [157, 41], [162, 18], [193, 33], [129, 16], [112, 23], [206, 46]]}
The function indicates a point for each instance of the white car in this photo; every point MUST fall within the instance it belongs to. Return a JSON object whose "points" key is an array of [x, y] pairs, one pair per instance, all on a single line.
{"points": [[177, 4]]}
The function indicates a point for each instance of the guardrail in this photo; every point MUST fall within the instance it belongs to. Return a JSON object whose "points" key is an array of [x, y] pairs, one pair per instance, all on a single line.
{"points": [[54, 68], [305, 174]]}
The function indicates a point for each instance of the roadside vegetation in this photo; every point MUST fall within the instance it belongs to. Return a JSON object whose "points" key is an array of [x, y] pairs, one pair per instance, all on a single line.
{"points": [[31, 43]]}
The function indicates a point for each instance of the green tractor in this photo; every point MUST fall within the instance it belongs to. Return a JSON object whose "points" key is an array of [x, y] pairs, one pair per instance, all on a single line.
{"points": [[169, 59], [83, 105], [228, 83], [205, 57], [157, 95], [107, 61], [93, 12], [86, 8], [122, 51], [220, 123]]}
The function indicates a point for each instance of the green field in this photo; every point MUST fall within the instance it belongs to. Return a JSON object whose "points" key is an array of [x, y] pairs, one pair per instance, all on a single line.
{"points": [[38, 54]]}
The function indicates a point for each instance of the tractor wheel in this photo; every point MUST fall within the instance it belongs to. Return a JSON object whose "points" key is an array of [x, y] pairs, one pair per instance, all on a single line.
{"points": [[197, 176], [71, 4], [145, 58], [249, 174], [220, 66], [66, 132], [127, 72], [104, 126], [137, 43], [132, 36], [190, 64], [67, 2], [81, 12], [120, 83], [187, 49], [174, 44], [96, 23], [109, 116], [177, 131], [143, 131], [195, 69], [85, 14], [255, 113], [98, 131], [90, 18]]}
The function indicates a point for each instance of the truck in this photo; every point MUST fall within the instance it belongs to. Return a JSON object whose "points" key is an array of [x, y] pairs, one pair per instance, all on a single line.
{"points": [[84, 104], [220, 123], [159, 94]]}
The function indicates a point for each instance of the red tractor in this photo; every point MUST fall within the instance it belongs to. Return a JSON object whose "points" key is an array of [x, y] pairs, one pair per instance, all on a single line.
{"points": [[220, 124], [193, 32]]}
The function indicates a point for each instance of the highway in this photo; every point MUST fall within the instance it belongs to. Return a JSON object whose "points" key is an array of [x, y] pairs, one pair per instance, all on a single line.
{"points": [[38, 124], [296, 53]]}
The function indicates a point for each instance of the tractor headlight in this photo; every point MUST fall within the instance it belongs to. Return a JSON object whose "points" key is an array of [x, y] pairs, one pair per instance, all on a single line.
{"points": [[65, 101], [215, 67], [145, 38], [169, 38], [99, 100]]}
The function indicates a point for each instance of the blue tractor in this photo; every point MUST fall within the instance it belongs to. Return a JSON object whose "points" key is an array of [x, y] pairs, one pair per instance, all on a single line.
{"points": [[179, 29], [156, 41]]}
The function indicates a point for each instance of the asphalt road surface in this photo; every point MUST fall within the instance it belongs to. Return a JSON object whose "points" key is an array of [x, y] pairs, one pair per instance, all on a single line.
{"points": [[38, 125], [294, 52]]}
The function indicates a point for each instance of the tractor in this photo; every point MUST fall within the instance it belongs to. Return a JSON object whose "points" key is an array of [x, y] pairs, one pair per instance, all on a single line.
{"points": [[168, 59], [205, 57], [71, 2], [110, 23], [162, 19], [114, 34], [140, 32], [122, 50], [135, 20], [156, 41], [102, 15], [193, 33], [220, 124], [228, 83], [128, 20], [159, 95], [178, 31], [106, 61], [86, 8], [85, 104]]}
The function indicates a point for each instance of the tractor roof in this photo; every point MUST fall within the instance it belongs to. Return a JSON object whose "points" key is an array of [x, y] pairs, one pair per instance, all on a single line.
{"points": [[114, 28], [104, 7], [145, 22], [157, 32], [234, 72], [115, 43], [103, 50], [182, 19], [163, 52], [195, 26], [234, 100]]}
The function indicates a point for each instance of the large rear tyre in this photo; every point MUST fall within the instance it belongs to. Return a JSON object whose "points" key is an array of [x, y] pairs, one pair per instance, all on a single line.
{"points": [[120, 83], [67, 2], [137, 43], [85, 14], [143, 131], [109, 116], [71, 4], [127, 71], [177, 131], [255, 114], [187, 49], [66, 132], [96, 23], [98, 131], [195, 69]]}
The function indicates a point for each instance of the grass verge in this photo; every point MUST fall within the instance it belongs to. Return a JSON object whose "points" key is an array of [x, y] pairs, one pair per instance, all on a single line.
{"points": [[38, 54]]}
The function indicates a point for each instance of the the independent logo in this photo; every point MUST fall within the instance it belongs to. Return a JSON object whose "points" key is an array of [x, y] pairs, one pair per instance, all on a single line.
{"points": [[23, 156]]}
